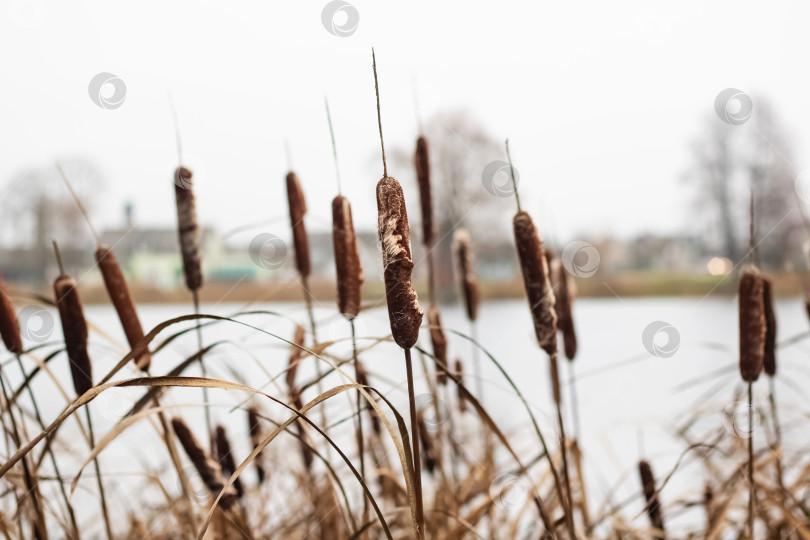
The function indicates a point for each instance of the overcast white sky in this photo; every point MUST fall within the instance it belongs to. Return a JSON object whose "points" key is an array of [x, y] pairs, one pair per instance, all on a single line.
{"points": [[599, 99]]}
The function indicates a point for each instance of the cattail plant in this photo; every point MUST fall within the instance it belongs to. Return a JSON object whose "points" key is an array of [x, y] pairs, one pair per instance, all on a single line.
{"points": [[534, 268], [349, 281], [753, 332], [428, 450], [12, 338], [404, 313], [208, 469], [653, 506], [116, 285], [224, 456], [74, 330], [462, 394], [188, 228], [769, 366], [10, 332], [306, 452], [470, 293], [296, 355], [255, 430], [439, 341]]}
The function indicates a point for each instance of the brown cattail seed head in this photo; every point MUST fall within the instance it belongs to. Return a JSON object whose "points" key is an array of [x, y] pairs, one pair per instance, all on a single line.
{"points": [[469, 287], [534, 268], [296, 354], [422, 162], [121, 298], [439, 341], [188, 229], [255, 431], [224, 456], [347, 258], [208, 469], [752, 324], [462, 394], [9, 323], [769, 357], [298, 208], [74, 328], [565, 319], [650, 495], [404, 312]]}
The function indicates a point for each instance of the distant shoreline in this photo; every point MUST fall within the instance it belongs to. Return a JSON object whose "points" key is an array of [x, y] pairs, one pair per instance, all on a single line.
{"points": [[601, 285]]}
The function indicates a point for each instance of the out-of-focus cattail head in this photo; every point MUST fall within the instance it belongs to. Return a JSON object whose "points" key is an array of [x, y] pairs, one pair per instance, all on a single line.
{"points": [[534, 268], [255, 430], [188, 228], [118, 290], [404, 312], [362, 378], [469, 286], [9, 323], [306, 452], [565, 319], [439, 342], [224, 457], [421, 160], [296, 354], [208, 469], [769, 353], [428, 452], [650, 495], [347, 258], [298, 208], [74, 329], [752, 323], [462, 395]]}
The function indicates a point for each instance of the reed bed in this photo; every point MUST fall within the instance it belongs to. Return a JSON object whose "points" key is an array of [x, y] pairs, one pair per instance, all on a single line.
{"points": [[439, 466]]}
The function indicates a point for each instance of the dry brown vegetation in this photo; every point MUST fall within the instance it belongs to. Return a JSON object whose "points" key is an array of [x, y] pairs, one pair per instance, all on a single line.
{"points": [[398, 474]]}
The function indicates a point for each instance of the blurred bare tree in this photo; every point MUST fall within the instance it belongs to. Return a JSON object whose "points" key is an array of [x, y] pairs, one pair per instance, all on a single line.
{"points": [[728, 162], [460, 149], [38, 209]]}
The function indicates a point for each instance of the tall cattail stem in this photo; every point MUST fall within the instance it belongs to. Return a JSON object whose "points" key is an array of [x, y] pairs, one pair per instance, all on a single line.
{"points": [[99, 480], [417, 464], [512, 174], [751, 486], [203, 370], [358, 375], [777, 429]]}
